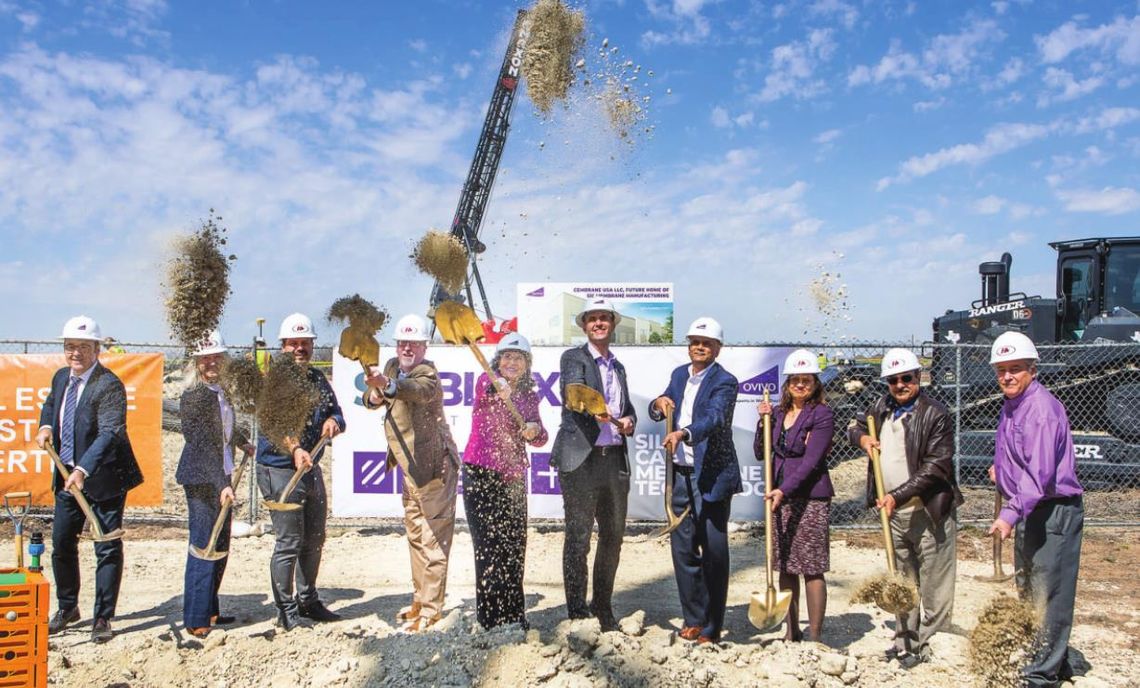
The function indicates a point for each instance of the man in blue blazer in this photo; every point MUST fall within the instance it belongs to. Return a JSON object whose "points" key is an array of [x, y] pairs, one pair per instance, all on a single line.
{"points": [[85, 418], [701, 398], [593, 468]]}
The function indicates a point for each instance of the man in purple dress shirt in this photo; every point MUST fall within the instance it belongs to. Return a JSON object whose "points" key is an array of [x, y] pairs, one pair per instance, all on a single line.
{"points": [[1035, 470], [590, 455]]}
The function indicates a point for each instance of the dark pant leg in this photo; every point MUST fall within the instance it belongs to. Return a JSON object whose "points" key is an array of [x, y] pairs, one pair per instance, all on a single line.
{"points": [[198, 598], [684, 542], [223, 545], [514, 552], [712, 521], [579, 503], [108, 556], [315, 515], [67, 524], [478, 505], [288, 529], [1049, 544], [612, 488], [493, 515]]}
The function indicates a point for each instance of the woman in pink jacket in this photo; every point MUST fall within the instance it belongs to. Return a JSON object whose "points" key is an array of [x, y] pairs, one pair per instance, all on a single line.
{"points": [[494, 482]]}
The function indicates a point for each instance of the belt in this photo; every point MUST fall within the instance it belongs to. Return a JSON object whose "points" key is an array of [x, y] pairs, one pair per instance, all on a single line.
{"points": [[683, 470], [610, 450]]}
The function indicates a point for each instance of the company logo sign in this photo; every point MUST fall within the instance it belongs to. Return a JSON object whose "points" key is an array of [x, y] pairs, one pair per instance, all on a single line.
{"points": [[370, 477], [768, 380], [541, 291]]}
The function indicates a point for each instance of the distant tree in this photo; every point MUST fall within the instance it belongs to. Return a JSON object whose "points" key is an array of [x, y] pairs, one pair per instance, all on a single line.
{"points": [[667, 336], [654, 338]]}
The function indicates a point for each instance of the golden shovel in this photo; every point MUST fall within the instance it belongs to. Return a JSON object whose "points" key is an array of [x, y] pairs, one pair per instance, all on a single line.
{"points": [[211, 552], [672, 519], [97, 530], [458, 324], [358, 344], [768, 611], [884, 519], [582, 398], [999, 575], [281, 504]]}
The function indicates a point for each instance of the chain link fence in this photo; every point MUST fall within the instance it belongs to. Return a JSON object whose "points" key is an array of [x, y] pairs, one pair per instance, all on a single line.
{"points": [[1099, 385]]}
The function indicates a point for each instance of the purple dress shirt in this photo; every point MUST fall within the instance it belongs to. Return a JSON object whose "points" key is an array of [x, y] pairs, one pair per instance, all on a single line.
{"points": [[1033, 453], [495, 442], [611, 388]]}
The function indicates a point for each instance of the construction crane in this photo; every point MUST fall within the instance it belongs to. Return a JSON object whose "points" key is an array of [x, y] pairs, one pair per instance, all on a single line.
{"points": [[481, 177]]}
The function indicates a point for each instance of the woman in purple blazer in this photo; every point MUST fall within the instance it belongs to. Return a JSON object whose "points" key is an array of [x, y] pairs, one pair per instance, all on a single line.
{"points": [[802, 427]]}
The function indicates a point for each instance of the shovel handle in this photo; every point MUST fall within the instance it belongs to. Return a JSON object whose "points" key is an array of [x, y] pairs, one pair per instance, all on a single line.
{"points": [[84, 506], [292, 484], [877, 470], [998, 573], [768, 520], [491, 375]]}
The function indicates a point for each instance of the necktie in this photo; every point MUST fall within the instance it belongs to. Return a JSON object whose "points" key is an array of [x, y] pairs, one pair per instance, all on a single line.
{"points": [[67, 425]]}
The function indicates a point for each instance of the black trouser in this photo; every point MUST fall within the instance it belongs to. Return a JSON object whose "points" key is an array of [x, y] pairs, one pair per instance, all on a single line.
{"points": [[203, 577], [300, 534], [700, 555], [1047, 557], [496, 514], [65, 530], [598, 490]]}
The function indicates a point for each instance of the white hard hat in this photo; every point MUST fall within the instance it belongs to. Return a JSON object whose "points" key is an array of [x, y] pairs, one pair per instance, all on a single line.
{"points": [[897, 361], [801, 362], [82, 327], [411, 328], [212, 344], [598, 304], [1012, 346], [706, 327], [513, 342], [296, 326]]}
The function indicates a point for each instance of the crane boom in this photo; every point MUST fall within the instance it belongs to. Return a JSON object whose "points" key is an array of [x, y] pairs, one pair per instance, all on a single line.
{"points": [[481, 177]]}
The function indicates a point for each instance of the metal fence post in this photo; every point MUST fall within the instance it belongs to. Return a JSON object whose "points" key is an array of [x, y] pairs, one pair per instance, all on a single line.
{"points": [[253, 501], [957, 413]]}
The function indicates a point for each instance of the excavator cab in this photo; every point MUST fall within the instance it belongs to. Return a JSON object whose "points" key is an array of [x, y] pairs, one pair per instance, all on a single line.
{"points": [[1098, 289]]}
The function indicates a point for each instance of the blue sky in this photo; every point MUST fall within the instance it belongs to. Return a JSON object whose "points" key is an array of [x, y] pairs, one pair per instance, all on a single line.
{"points": [[881, 149]]}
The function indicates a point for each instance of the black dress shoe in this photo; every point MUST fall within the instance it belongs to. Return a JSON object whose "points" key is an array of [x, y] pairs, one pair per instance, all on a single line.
{"points": [[287, 621], [317, 612], [221, 620], [61, 619], [101, 631]]}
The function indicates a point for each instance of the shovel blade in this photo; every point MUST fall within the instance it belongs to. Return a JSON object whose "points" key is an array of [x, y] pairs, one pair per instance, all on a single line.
{"points": [[205, 554], [281, 506], [674, 522], [584, 399], [360, 345], [994, 578], [767, 611], [458, 324]]}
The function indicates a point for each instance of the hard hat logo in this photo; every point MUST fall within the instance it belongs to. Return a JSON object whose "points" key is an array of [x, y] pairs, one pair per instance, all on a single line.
{"points": [[1006, 350]]}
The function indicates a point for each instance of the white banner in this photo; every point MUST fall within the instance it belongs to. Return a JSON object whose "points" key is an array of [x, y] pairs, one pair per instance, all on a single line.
{"points": [[546, 311], [362, 488]]}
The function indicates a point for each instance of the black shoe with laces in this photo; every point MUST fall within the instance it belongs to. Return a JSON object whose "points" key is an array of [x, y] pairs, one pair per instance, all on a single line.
{"points": [[287, 621], [317, 611], [61, 619], [101, 631]]}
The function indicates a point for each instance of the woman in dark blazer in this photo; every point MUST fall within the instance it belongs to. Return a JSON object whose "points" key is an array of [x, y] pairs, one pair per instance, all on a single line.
{"points": [[212, 436], [802, 428]]}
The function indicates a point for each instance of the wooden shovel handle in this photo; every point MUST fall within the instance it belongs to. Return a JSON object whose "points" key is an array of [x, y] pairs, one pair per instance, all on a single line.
{"points": [[877, 470], [292, 484], [84, 506], [490, 374], [768, 520]]}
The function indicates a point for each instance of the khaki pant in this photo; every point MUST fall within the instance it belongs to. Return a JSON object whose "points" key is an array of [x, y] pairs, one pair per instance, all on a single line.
{"points": [[429, 517], [926, 554]]}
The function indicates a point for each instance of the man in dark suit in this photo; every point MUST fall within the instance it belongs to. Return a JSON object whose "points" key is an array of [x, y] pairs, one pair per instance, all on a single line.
{"points": [[701, 398], [590, 455], [85, 416]]}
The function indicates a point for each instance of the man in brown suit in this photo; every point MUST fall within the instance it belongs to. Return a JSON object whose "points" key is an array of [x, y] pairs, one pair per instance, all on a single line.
{"points": [[420, 441]]}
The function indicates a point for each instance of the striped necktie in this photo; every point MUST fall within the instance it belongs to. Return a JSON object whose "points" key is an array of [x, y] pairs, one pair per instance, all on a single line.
{"points": [[67, 425]]}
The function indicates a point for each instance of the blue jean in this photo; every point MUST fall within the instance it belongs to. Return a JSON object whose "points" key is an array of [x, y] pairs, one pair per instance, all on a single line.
{"points": [[203, 578]]}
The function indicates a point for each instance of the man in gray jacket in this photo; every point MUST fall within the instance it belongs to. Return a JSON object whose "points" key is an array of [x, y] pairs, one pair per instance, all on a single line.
{"points": [[916, 445], [590, 455]]}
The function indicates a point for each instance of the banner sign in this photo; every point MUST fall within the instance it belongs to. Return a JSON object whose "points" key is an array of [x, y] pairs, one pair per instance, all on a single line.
{"points": [[546, 311], [25, 381], [363, 487]]}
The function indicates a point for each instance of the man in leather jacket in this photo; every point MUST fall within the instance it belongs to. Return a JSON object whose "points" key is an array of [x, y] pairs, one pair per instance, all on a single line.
{"points": [[921, 496]]}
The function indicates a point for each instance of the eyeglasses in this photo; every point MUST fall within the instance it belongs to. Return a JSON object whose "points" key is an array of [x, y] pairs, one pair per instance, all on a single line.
{"points": [[905, 378], [801, 381]]}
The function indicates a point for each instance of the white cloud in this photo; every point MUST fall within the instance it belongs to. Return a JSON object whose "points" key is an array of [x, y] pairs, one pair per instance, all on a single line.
{"points": [[990, 205], [687, 25], [829, 136], [847, 14], [928, 105], [999, 139], [793, 67], [945, 59], [136, 21], [418, 44], [462, 70], [1107, 201], [719, 118], [1120, 39], [1109, 118], [1063, 87]]}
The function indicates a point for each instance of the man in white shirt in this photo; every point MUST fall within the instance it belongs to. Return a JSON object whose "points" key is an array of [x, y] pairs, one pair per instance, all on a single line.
{"points": [[701, 398]]}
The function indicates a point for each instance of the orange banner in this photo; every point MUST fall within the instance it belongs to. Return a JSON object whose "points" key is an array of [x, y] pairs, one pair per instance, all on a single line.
{"points": [[25, 380]]}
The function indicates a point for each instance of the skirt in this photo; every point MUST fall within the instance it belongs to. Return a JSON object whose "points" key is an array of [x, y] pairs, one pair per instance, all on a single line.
{"points": [[802, 539]]}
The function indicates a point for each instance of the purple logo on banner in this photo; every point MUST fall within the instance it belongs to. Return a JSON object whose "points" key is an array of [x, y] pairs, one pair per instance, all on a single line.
{"points": [[543, 478], [541, 291], [769, 380], [369, 476]]}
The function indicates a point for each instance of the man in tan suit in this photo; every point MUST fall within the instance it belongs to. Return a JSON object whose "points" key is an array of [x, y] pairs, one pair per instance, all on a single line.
{"points": [[420, 441]]}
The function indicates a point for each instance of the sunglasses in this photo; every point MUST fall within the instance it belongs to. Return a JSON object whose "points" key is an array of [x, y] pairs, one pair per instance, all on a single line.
{"points": [[905, 378]]}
